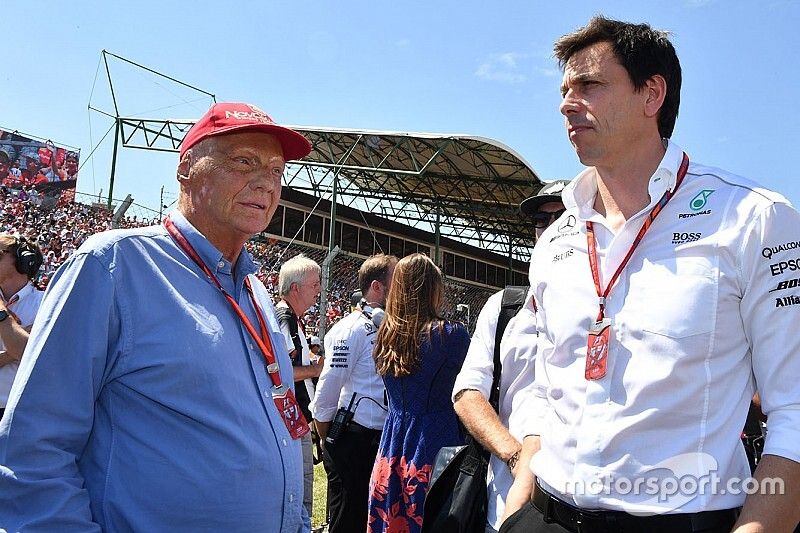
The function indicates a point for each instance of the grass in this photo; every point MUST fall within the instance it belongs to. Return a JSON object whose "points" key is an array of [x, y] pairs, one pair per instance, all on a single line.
{"points": [[320, 495]]}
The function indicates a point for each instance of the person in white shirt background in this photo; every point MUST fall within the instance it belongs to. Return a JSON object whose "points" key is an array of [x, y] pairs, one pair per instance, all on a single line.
{"points": [[349, 378], [20, 260], [472, 388], [661, 310]]}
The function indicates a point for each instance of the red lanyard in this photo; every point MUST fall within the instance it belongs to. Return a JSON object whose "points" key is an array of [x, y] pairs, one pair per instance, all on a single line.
{"points": [[648, 221], [264, 343]]}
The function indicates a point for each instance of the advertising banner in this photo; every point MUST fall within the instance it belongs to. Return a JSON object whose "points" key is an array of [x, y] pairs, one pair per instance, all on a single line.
{"points": [[25, 162]]}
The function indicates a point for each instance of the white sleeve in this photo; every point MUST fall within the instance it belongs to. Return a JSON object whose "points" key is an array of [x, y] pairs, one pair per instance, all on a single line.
{"points": [[341, 349], [519, 348], [770, 316], [287, 337], [530, 404], [476, 372]]}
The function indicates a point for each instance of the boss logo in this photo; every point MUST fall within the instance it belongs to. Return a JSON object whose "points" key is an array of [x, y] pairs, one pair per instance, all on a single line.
{"points": [[787, 284], [680, 238]]}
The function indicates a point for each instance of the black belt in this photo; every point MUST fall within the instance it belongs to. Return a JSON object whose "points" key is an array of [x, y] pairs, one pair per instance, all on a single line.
{"points": [[597, 521], [352, 427]]}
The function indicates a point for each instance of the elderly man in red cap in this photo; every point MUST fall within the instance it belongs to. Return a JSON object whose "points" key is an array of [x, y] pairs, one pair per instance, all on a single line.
{"points": [[155, 393]]}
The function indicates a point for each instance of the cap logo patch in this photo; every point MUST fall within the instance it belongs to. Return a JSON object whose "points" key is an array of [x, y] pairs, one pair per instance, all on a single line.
{"points": [[256, 115]]}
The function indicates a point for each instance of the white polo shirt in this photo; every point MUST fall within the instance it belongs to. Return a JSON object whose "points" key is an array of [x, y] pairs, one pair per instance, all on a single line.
{"points": [[517, 350], [707, 308], [24, 304], [349, 367]]}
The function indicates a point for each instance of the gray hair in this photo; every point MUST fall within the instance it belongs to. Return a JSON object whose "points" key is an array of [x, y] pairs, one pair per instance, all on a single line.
{"points": [[294, 270]]}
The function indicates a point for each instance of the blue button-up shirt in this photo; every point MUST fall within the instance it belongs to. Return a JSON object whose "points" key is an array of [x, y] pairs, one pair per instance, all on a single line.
{"points": [[142, 403]]}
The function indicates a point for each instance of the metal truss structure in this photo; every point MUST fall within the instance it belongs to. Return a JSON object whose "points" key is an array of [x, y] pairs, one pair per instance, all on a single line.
{"points": [[464, 187], [467, 188]]}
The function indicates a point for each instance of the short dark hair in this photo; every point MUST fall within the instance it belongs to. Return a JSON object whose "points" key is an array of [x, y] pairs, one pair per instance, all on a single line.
{"points": [[375, 268], [641, 50]]}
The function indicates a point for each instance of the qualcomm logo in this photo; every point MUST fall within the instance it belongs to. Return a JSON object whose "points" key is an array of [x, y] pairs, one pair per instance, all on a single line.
{"points": [[698, 202]]}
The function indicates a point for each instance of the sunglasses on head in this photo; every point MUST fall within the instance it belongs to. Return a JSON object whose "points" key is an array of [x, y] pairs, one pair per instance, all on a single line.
{"points": [[542, 219]]}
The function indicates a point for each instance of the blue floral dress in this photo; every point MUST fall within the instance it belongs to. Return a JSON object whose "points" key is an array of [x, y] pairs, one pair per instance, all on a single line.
{"points": [[421, 420]]}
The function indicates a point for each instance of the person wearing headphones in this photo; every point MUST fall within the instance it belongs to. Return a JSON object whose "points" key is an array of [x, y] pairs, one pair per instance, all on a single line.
{"points": [[20, 260], [349, 382]]}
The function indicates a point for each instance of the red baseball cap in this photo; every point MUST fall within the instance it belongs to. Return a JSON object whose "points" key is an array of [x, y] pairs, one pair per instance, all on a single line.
{"points": [[229, 117]]}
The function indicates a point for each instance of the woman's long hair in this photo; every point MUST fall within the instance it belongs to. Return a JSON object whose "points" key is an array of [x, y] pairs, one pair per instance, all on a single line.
{"points": [[412, 309]]}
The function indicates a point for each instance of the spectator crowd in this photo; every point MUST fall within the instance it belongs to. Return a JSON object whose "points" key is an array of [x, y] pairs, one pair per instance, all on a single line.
{"points": [[59, 229]]}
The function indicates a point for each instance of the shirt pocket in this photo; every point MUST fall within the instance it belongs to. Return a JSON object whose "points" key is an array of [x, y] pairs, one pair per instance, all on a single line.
{"points": [[675, 302]]}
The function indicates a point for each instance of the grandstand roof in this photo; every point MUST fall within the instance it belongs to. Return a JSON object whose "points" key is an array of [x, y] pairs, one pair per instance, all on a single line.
{"points": [[473, 184]]}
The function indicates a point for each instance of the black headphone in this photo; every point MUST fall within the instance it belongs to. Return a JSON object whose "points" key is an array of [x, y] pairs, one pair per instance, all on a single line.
{"points": [[373, 313], [27, 258]]}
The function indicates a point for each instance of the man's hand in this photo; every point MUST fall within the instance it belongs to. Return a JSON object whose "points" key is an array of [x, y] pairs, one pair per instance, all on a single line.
{"points": [[308, 371], [322, 431], [482, 422], [522, 489], [14, 337]]}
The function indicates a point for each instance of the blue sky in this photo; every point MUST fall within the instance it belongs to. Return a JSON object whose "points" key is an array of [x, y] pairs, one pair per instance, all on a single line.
{"points": [[480, 68]]}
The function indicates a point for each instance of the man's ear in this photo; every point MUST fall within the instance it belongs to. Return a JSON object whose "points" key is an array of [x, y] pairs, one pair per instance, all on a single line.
{"points": [[375, 285], [183, 165], [656, 90]]}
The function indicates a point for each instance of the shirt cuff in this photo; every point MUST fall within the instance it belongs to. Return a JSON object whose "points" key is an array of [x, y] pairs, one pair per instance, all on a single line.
{"points": [[472, 381], [784, 434], [323, 414]]}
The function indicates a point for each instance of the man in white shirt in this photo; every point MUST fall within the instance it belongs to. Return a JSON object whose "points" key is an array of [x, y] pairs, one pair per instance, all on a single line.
{"points": [[299, 287], [472, 388], [666, 292], [349, 378], [20, 260]]}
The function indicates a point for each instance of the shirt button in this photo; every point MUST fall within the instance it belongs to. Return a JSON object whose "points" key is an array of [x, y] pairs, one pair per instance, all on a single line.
{"points": [[291, 498], [221, 264], [285, 443], [251, 346], [266, 394]]}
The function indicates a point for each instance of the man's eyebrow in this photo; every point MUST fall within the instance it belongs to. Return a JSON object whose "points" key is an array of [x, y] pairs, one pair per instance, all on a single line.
{"points": [[580, 77], [583, 76]]}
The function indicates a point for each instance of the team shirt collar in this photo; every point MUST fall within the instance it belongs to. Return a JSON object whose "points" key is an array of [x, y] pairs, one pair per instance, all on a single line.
{"points": [[581, 191]]}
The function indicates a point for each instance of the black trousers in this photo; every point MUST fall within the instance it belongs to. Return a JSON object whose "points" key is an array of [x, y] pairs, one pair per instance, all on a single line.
{"points": [[530, 520], [348, 463]]}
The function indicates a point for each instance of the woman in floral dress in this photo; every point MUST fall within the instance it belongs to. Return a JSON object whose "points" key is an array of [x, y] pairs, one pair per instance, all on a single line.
{"points": [[419, 354]]}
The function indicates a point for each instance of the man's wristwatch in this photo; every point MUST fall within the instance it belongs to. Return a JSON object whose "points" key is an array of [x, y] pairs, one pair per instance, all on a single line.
{"points": [[512, 461], [3, 315]]}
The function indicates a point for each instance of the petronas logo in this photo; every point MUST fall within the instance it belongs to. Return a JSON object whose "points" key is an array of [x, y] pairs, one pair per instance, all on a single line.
{"points": [[699, 201]]}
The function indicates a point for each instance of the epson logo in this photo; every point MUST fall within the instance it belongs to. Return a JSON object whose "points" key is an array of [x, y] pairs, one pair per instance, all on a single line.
{"points": [[776, 269]]}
